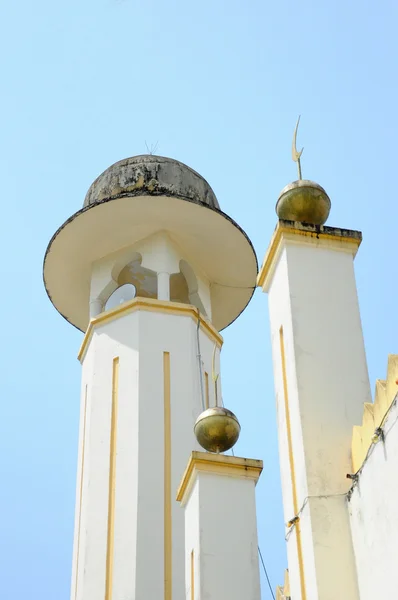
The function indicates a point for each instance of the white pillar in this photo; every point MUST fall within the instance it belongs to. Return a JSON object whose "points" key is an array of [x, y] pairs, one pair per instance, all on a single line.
{"points": [[321, 383], [96, 307], [164, 286], [221, 548], [141, 395]]}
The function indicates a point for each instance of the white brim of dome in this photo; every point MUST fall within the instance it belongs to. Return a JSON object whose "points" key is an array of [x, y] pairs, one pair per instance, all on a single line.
{"points": [[217, 245]]}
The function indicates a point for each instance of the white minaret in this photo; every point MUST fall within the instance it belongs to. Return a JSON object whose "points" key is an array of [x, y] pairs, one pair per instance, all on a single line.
{"points": [[151, 270], [321, 384]]}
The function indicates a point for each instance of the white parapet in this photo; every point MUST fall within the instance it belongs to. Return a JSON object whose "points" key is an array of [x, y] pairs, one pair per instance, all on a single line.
{"points": [[221, 551], [321, 384]]}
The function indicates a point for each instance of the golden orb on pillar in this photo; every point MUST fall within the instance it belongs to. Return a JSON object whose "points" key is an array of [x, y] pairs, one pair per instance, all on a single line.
{"points": [[304, 201], [217, 429]]}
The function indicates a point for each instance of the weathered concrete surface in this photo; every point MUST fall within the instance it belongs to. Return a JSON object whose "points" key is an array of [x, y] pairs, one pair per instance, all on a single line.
{"points": [[151, 175], [374, 516]]}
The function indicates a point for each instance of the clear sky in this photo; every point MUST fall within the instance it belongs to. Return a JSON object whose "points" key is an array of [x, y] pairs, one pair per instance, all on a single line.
{"points": [[218, 85]]}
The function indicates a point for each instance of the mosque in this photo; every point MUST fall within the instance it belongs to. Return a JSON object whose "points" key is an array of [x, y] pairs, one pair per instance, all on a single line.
{"points": [[151, 271]]}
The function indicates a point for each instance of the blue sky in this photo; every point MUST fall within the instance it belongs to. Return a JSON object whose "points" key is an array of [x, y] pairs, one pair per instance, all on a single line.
{"points": [[218, 85]]}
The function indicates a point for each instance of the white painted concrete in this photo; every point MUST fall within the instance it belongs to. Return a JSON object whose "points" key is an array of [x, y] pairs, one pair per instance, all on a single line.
{"points": [[221, 530], [139, 339], [158, 253], [164, 286], [374, 517], [312, 295]]}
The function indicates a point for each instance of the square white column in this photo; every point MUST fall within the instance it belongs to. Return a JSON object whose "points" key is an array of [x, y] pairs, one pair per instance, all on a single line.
{"points": [[221, 548]]}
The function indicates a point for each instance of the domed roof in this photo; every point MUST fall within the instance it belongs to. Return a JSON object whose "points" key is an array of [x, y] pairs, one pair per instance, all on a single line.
{"points": [[150, 175], [132, 200]]}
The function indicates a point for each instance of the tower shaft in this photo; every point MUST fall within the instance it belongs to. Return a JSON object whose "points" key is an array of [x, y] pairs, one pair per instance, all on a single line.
{"points": [[141, 394], [321, 383]]}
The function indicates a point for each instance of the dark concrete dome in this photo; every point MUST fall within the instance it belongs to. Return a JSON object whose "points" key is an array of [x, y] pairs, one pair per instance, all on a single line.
{"points": [[149, 175]]}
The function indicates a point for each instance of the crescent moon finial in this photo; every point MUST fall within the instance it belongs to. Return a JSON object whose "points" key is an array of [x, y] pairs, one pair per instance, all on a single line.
{"points": [[297, 155]]}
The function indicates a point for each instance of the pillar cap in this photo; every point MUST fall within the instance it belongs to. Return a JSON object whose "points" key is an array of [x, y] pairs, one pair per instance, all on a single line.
{"points": [[217, 464], [345, 240]]}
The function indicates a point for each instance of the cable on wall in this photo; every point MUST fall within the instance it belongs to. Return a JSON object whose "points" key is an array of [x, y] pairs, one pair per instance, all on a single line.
{"points": [[266, 573]]}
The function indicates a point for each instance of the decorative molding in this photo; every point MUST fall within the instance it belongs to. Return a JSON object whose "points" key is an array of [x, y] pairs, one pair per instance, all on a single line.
{"points": [[219, 464], [299, 543], [283, 592], [168, 547], [374, 414], [316, 234], [150, 305], [112, 481]]}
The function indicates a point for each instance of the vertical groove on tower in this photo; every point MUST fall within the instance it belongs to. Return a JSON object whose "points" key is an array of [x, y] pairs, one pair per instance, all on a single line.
{"points": [[81, 489], [112, 477], [167, 479], [292, 468]]}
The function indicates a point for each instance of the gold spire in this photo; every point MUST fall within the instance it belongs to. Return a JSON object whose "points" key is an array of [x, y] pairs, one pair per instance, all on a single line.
{"points": [[302, 201], [297, 155]]}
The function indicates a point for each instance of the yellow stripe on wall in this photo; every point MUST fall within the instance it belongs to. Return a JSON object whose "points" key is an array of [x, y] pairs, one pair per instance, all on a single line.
{"points": [[167, 479], [292, 467], [112, 478], [192, 575], [81, 490]]}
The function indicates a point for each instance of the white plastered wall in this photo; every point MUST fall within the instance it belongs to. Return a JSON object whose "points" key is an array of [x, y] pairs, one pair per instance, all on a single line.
{"points": [[374, 517], [139, 339], [221, 530], [312, 295]]}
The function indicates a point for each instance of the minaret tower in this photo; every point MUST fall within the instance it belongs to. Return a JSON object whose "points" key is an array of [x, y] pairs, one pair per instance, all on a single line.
{"points": [[321, 384], [151, 270]]}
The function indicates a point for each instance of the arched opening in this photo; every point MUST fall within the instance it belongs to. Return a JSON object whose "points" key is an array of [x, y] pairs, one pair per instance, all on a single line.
{"points": [[179, 291], [144, 280], [184, 287]]}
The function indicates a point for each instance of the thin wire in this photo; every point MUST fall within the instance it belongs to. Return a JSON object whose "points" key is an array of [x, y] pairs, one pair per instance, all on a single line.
{"points": [[266, 574], [292, 523], [199, 355], [382, 435]]}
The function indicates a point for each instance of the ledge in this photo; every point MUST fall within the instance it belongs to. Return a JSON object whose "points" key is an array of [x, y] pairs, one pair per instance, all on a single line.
{"points": [[218, 464], [315, 234], [150, 305]]}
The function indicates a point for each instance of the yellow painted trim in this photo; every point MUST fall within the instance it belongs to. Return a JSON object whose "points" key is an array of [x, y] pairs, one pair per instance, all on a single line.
{"points": [[150, 305], [207, 401], [374, 414], [112, 481], [81, 490], [298, 230], [219, 464], [192, 575], [167, 479], [292, 466]]}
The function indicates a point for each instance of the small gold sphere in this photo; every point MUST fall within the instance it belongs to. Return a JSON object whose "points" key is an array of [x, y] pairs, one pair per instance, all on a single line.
{"points": [[303, 201], [217, 429]]}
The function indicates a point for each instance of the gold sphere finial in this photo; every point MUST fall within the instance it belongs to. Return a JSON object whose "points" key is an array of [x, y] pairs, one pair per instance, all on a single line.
{"points": [[217, 429], [303, 200]]}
